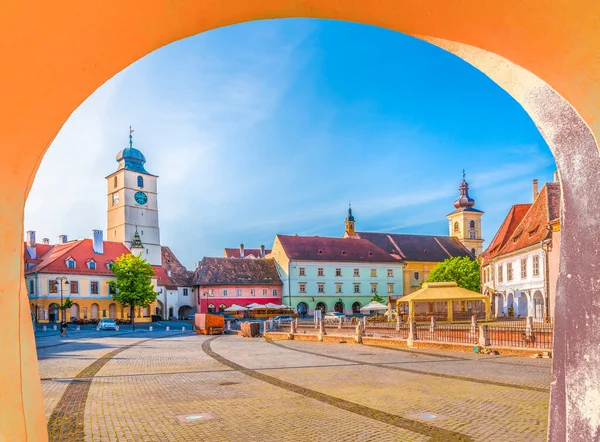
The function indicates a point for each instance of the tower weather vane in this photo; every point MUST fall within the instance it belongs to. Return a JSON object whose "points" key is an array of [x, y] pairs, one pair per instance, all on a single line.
{"points": [[130, 137]]}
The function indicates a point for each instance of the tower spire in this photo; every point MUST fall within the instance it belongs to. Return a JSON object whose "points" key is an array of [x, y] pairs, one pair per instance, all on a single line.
{"points": [[350, 221], [464, 200]]}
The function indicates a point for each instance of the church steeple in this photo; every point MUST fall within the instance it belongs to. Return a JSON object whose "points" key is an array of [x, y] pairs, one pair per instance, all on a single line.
{"points": [[350, 221], [465, 221], [464, 200], [137, 246]]}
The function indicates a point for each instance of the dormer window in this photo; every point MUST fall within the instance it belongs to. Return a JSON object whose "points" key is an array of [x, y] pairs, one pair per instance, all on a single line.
{"points": [[109, 265], [71, 264], [91, 264]]}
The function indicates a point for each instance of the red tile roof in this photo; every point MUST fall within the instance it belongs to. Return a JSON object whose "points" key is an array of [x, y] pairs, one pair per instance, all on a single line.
{"points": [[162, 278], [318, 248], [40, 251], [425, 248], [180, 276], [232, 271], [53, 260], [533, 227], [510, 223], [235, 253]]}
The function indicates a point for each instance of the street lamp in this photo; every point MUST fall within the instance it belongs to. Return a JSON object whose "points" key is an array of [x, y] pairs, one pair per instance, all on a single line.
{"points": [[60, 281]]}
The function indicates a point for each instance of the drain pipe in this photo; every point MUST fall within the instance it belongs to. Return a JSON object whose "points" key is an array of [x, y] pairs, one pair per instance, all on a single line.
{"points": [[545, 247]]}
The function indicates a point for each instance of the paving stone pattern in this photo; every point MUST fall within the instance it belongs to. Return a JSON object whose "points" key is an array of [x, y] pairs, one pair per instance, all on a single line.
{"points": [[133, 388]]}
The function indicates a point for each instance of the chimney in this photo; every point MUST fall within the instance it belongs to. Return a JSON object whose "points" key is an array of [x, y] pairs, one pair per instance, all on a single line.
{"points": [[262, 251], [62, 239], [241, 250], [535, 189], [556, 176], [31, 238], [98, 242], [169, 273], [46, 240]]}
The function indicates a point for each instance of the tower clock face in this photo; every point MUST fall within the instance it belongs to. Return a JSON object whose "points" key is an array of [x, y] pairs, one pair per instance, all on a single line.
{"points": [[141, 198]]}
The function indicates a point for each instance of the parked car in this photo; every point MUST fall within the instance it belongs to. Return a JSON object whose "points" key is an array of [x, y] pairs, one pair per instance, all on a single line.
{"points": [[191, 317], [283, 319], [107, 324], [334, 317]]}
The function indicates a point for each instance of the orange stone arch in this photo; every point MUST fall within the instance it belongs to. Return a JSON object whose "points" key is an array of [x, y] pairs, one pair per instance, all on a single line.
{"points": [[544, 53]]}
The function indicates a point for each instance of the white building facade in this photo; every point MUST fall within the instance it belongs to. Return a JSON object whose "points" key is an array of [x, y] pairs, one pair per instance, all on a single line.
{"points": [[518, 279]]}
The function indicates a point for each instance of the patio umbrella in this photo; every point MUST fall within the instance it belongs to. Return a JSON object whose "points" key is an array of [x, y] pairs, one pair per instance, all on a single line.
{"points": [[253, 305], [373, 306], [236, 308], [273, 306]]}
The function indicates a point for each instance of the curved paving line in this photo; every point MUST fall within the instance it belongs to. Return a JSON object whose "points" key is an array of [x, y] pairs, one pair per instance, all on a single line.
{"points": [[66, 421], [409, 370], [436, 434]]}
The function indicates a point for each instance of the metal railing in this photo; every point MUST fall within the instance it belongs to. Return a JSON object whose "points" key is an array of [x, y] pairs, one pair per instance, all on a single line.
{"points": [[520, 336], [538, 335], [461, 334]]}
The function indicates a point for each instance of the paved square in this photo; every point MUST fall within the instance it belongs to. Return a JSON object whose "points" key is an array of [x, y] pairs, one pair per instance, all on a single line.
{"points": [[173, 386]]}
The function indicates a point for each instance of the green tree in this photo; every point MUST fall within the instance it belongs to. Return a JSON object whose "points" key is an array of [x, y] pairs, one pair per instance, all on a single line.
{"points": [[67, 303], [462, 270], [379, 299], [133, 286]]}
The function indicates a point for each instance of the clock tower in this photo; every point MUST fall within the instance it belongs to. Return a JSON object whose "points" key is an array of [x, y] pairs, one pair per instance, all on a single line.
{"points": [[133, 206]]}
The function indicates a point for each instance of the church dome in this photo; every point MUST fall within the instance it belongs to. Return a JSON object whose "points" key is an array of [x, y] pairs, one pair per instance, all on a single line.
{"points": [[131, 158], [131, 153], [464, 201]]}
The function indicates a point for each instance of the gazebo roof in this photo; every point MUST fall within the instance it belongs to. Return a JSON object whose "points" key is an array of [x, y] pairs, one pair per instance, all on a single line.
{"points": [[443, 291]]}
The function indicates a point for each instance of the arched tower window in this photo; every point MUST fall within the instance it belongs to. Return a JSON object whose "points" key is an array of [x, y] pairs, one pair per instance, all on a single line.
{"points": [[115, 182], [456, 226], [140, 181], [472, 224]]}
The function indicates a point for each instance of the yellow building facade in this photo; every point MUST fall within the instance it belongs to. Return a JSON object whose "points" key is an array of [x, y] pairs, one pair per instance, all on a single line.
{"points": [[79, 270]]}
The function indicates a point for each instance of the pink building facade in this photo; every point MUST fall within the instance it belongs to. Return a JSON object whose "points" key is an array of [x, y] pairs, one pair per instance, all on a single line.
{"points": [[221, 282], [215, 298]]}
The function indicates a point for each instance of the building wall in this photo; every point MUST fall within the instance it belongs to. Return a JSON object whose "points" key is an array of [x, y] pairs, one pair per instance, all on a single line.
{"points": [[518, 292], [206, 295], [415, 273], [41, 298], [464, 231], [124, 217], [330, 295]]}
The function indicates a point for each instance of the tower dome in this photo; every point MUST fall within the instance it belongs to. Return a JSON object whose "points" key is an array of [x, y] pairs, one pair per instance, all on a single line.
{"points": [[464, 201], [350, 217], [131, 158]]}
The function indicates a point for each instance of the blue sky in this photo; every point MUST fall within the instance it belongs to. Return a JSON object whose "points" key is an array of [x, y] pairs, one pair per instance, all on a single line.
{"points": [[275, 126]]}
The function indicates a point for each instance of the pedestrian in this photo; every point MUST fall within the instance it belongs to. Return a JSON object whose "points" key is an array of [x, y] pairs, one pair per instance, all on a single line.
{"points": [[63, 329]]}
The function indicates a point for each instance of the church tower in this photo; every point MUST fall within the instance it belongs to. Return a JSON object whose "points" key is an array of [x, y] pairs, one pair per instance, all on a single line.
{"points": [[350, 232], [133, 206], [465, 221]]}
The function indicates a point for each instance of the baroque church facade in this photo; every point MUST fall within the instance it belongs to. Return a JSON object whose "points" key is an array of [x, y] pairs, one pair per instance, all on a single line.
{"points": [[421, 253]]}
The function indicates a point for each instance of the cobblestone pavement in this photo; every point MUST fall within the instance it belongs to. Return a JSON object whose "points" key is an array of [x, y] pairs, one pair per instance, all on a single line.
{"points": [[134, 387]]}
